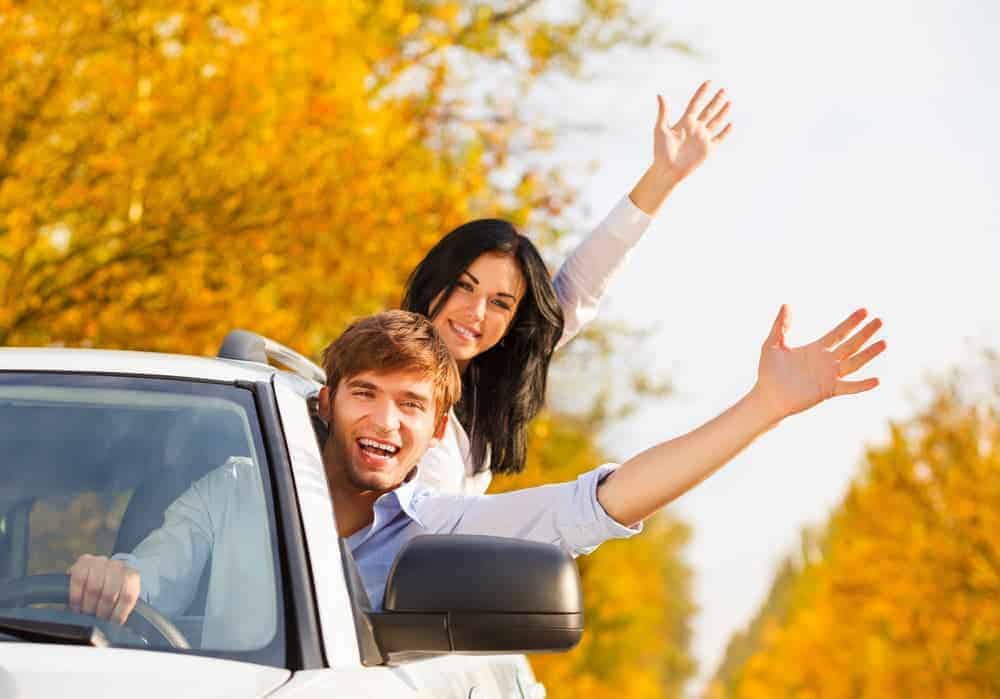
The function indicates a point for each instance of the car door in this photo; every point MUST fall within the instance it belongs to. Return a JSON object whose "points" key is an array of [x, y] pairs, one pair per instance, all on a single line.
{"points": [[444, 676]]}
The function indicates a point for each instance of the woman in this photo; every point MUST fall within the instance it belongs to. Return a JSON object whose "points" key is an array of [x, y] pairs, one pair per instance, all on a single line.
{"points": [[487, 291]]}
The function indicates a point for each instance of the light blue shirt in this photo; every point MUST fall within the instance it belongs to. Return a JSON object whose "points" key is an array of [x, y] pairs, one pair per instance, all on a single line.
{"points": [[567, 515], [224, 514]]}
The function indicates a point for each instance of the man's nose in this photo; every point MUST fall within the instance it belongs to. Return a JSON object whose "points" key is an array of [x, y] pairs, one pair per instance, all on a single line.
{"points": [[386, 416]]}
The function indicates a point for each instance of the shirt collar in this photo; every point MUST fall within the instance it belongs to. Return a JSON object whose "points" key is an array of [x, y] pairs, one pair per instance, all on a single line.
{"points": [[404, 497]]}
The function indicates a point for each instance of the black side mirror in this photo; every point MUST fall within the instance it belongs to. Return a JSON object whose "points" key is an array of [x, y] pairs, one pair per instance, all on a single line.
{"points": [[478, 594]]}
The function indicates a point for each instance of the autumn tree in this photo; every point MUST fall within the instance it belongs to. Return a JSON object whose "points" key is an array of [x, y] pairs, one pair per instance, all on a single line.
{"points": [[901, 599], [173, 169], [637, 592], [169, 170]]}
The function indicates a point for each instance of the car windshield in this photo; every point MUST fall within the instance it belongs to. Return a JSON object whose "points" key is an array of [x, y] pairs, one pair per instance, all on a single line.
{"points": [[168, 476]]}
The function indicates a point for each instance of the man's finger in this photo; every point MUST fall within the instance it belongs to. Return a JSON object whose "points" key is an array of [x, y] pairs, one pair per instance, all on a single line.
{"points": [[722, 134], [92, 588], [778, 328], [108, 596], [844, 329], [127, 597], [858, 340], [849, 366], [695, 102], [77, 583], [713, 124], [712, 106], [844, 388]]}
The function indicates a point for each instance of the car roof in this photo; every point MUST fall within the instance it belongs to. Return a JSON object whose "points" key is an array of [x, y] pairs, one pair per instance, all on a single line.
{"points": [[95, 361]]}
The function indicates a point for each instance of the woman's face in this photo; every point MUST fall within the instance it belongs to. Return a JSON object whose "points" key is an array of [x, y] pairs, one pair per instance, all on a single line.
{"points": [[481, 308]]}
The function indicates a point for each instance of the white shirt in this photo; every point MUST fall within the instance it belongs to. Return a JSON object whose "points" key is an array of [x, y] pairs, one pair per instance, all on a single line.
{"points": [[224, 515], [580, 284]]}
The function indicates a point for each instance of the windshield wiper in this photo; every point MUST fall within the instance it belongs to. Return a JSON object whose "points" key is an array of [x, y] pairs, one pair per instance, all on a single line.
{"points": [[52, 632]]}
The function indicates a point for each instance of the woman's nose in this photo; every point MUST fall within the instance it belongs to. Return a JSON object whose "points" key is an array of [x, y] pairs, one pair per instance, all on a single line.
{"points": [[479, 307]]}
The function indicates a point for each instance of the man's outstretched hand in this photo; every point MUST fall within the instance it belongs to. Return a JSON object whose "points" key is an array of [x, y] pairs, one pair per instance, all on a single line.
{"points": [[793, 379], [104, 587]]}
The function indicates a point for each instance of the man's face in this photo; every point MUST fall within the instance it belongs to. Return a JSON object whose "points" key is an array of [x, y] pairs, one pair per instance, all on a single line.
{"points": [[381, 423]]}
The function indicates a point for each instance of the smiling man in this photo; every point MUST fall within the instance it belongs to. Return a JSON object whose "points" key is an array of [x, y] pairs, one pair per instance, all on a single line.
{"points": [[390, 383]]}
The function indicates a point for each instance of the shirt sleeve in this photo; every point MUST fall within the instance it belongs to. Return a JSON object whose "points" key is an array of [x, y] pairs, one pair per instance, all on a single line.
{"points": [[171, 559], [565, 514], [584, 277]]}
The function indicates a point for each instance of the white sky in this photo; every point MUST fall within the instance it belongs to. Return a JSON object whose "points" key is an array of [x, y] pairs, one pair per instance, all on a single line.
{"points": [[861, 171]]}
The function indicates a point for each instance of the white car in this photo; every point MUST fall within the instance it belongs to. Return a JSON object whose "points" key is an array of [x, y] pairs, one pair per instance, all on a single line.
{"points": [[96, 444]]}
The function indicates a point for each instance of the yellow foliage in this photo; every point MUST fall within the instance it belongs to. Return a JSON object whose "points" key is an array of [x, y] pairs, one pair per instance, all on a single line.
{"points": [[637, 592], [177, 169], [904, 602]]}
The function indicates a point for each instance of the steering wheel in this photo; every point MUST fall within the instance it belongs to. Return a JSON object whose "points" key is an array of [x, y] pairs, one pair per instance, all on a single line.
{"points": [[54, 589]]}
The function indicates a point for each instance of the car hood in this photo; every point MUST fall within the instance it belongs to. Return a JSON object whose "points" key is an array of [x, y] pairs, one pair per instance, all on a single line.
{"points": [[35, 670]]}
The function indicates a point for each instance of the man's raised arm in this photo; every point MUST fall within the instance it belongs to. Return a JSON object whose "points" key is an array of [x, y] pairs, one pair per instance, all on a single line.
{"points": [[789, 380]]}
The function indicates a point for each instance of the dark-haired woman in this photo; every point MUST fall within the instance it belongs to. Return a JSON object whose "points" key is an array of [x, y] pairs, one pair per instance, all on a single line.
{"points": [[488, 293]]}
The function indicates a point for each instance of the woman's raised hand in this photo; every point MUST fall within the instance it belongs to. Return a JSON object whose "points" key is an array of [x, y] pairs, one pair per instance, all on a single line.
{"points": [[792, 379], [679, 149]]}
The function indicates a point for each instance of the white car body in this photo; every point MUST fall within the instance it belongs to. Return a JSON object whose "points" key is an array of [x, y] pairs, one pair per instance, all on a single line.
{"points": [[43, 671]]}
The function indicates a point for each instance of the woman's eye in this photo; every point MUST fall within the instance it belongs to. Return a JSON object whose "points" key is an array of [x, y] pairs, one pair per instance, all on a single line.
{"points": [[502, 304], [464, 285]]}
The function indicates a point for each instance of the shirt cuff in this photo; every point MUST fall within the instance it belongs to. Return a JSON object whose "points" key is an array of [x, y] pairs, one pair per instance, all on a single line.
{"points": [[145, 581], [593, 525], [627, 222]]}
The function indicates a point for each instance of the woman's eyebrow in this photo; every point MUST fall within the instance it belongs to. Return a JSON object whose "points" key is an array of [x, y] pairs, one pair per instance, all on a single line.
{"points": [[499, 293]]}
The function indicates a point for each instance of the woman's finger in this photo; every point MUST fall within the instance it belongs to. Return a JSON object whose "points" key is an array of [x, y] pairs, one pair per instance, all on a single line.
{"points": [[695, 102], [717, 119], [844, 388], [858, 340], [844, 329], [661, 114], [849, 366], [712, 106]]}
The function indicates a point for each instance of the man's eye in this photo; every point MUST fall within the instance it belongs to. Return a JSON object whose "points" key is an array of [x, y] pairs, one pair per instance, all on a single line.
{"points": [[363, 393], [413, 405]]}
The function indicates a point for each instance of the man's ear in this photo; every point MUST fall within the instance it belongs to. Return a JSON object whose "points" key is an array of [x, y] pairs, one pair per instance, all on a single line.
{"points": [[439, 431], [324, 404]]}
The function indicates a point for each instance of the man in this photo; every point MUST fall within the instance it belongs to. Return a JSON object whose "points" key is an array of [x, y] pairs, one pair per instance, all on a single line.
{"points": [[390, 384]]}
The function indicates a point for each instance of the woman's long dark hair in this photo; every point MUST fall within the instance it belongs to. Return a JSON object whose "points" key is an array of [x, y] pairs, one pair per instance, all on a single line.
{"points": [[504, 387]]}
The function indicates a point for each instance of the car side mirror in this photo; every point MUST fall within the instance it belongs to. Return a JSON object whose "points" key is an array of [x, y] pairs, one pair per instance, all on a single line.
{"points": [[478, 594]]}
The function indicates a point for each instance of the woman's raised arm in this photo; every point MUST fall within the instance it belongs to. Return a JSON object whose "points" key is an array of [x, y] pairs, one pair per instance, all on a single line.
{"points": [[678, 150]]}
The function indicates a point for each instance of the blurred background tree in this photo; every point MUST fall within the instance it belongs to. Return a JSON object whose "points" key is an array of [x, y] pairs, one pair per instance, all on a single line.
{"points": [[172, 169], [898, 597]]}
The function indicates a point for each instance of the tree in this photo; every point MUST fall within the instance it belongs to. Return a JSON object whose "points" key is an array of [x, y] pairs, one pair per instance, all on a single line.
{"points": [[902, 601], [637, 592], [171, 170]]}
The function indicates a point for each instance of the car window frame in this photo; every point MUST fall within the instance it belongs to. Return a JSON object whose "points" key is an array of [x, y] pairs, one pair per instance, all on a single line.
{"points": [[334, 605], [268, 465]]}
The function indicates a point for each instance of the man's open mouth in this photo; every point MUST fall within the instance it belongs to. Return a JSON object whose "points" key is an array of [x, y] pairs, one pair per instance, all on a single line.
{"points": [[377, 448]]}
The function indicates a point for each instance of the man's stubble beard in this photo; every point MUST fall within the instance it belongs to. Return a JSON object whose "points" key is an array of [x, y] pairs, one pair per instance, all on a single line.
{"points": [[342, 454]]}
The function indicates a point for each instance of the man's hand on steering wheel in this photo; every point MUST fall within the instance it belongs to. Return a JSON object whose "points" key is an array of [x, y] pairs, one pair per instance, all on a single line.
{"points": [[104, 587]]}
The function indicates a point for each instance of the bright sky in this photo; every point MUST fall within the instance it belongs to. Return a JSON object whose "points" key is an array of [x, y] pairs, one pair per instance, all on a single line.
{"points": [[861, 172]]}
